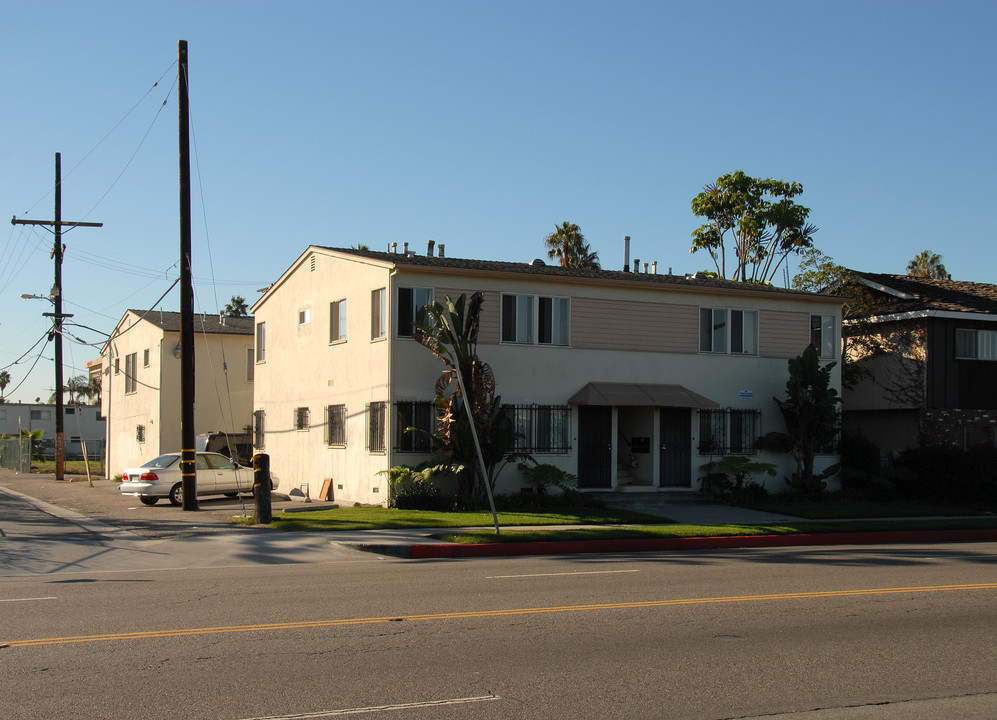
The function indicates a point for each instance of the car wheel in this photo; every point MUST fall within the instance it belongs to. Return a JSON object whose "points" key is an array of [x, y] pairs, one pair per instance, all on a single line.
{"points": [[176, 495], [146, 500], [232, 495]]}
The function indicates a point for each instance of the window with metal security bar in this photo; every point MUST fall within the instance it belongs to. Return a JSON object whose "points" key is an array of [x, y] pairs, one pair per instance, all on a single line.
{"points": [[140, 433], [541, 429], [335, 425], [729, 431], [301, 418], [376, 415], [259, 418], [415, 421]]}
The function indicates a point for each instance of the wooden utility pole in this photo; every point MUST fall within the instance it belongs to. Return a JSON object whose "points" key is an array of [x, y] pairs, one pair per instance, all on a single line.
{"points": [[57, 316], [188, 450]]}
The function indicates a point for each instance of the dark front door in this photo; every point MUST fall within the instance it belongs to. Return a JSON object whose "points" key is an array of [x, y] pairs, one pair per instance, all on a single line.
{"points": [[595, 446], [676, 447]]}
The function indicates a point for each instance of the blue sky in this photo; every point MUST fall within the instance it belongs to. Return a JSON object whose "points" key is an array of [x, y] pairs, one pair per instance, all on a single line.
{"points": [[477, 125]]}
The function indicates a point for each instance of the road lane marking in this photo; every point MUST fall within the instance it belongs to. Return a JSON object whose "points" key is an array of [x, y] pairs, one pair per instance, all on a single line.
{"points": [[378, 708], [348, 622], [562, 574], [27, 599]]}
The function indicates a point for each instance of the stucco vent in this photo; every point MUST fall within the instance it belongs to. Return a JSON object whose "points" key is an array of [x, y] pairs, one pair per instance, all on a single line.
{"points": [[538, 263]]}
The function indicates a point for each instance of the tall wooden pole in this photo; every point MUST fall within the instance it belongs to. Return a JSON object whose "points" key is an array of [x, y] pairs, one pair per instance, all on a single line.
{"points": [[60, 420], [188, 454]]}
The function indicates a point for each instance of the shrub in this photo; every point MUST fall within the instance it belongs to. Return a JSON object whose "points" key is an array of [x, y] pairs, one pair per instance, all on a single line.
{"points": [[945, 474], [542, 476]]}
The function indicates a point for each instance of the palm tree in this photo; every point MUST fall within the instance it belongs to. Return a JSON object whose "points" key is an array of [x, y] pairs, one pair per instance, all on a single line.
{"points": [[927, 264], [78, 387], [237, 307], [4, 382], [567, 245]]}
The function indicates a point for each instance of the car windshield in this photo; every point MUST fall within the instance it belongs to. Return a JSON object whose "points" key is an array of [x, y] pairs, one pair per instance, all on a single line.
{"points": [[163, 461]]}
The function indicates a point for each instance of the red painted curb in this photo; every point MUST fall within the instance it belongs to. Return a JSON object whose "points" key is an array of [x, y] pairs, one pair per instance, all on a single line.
{"points": [[698, 543]]}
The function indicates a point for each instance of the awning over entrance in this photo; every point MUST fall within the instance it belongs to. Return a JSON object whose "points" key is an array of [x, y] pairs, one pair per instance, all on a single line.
{"points": [[608, 393]]}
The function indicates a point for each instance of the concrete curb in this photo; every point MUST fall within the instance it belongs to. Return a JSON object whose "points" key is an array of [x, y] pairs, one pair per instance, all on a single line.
{"points": [[425, 551]]}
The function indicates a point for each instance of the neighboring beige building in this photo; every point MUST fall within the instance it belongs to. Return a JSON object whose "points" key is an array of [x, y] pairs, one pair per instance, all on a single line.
{"points": [[140, 387], [624, 379]]}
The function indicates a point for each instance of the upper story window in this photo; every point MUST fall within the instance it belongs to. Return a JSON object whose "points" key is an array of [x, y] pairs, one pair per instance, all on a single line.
{"points": [[378, 314], [261, 342], [250, 366], [337, 321], [976, 344], [724, 331], [822, 335], [531, 319], [131, 367], [304, 316], [412, 304], [145, 358]]}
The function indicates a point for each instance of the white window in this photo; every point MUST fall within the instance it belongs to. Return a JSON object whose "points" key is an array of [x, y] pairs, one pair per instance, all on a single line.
{"points": [[304, 316], [377, 314], [530, 319], [131, 367], [725, 331], [261, 342], [975, 344], [822, 335], [412, 304], [337, 321]]}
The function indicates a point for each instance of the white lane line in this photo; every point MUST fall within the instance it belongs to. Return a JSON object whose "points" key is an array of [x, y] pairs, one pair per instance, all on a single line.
{"points": [[26, 599], [377, 708], [582, 572]]}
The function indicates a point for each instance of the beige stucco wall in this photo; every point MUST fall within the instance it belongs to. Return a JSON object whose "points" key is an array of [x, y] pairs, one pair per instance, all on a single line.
{"points": [[223, 399], [302, 369]]}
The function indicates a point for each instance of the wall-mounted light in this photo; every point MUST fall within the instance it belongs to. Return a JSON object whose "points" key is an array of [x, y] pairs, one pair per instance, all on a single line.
{"points": [[177, 351]]}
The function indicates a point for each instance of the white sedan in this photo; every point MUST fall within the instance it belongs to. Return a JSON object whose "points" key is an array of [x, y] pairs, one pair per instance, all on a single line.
{"points": [[160, 478]]}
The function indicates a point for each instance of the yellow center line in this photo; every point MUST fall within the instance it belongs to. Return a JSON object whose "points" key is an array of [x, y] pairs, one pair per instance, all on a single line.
{"points": [[488, 613]]}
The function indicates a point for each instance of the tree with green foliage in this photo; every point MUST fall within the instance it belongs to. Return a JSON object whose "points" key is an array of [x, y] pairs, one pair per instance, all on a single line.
{"points": [[78, 388], [4, 382], [236, 307], [810, 411], [927, 264], [758, 217], [568, 246], [451, 334]]}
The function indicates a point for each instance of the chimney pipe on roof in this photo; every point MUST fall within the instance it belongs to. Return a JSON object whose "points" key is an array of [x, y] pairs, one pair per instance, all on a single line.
{"points": [[654, 267], [441, 249], [429, 248], [394, 247], [636, 265], [626, 253], [405, 249]]}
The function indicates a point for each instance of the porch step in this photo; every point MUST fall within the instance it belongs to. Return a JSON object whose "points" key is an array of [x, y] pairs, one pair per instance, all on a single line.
{"points": [[653, 501]]}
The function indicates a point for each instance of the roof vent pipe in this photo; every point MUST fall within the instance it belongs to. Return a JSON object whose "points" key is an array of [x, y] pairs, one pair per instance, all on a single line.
{"points": [[669, 269], [394, 247], [626, 253], [405, 249], [636, 265], [429, 248], [441, 249]]}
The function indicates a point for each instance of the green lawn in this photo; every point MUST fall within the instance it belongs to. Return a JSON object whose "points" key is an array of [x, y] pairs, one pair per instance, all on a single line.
{"points": [[373, 518]]}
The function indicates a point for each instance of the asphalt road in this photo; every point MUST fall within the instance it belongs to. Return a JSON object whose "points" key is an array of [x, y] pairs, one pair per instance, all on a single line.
{"points": [[224, 631]]}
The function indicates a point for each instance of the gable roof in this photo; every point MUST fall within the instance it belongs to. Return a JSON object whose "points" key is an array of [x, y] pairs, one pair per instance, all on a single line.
{"points": [[539, 268], [203, 323], [896, 294]]}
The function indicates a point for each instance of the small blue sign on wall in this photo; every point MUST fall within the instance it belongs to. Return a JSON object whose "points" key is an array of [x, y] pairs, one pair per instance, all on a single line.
{"points": [[746, 395]]}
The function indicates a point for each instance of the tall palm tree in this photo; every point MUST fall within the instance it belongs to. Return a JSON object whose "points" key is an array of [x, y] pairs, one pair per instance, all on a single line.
{"points": [[927, 264], [78, 387], [567, 245], [4, 382], [237, 307]]}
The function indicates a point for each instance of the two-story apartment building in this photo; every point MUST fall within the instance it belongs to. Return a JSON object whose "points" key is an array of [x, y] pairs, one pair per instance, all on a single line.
{"points": [[929, 349], [140, 386], [617, 377]]}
